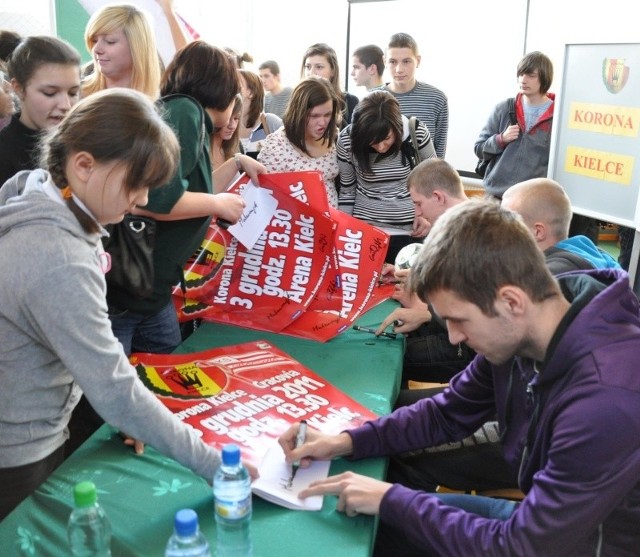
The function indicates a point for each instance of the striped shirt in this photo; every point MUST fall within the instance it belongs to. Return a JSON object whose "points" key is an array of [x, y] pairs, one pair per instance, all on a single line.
{"points": [[429, 105], [277, 104], [380, 198]]}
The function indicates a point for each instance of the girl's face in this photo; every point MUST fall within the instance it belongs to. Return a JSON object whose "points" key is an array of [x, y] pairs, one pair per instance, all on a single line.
{"points": [[227, 132], [112, 54], [318, 119], [221, 118], [384, 145], [318, 65], [100, 186], [6, 100], [48, 95]]}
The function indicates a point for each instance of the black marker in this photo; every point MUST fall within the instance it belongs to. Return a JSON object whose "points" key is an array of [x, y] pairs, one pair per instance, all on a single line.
{"points": [[223, 223], [373, 331], [300, 439]]}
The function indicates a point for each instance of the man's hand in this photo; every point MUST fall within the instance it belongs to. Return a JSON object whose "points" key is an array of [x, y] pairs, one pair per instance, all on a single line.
{"points": [[356, 494], [318, 446], [408, 319], [510, 134]]}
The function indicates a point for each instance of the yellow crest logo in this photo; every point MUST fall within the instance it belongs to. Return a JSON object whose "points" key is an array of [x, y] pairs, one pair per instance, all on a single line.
{"points": [[614, 74]]}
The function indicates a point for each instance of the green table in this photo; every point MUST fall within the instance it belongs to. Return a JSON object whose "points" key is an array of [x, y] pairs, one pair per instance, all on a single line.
{"points": [[142, 493]]}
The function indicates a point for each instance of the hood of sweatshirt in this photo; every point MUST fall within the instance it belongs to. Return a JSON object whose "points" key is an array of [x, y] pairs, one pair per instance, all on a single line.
{"points": [[24, 201], [585, 248]]}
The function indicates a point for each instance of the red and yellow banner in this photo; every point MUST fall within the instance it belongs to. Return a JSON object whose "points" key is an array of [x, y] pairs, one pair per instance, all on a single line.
{"points": [[246, 394]]}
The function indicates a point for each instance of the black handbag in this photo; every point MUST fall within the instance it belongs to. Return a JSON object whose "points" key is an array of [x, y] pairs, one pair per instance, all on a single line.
{"points": [[130, 245], [483, 164]]}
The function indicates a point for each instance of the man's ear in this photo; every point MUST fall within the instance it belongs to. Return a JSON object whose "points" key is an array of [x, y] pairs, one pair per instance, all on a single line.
{"points": [[82, 164], [539, 232], [419, 59], [439, 197], [512, 299]]}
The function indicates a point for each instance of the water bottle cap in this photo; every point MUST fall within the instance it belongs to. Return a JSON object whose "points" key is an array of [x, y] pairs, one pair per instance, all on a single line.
{"points": [[230, 455], [186, 522], [85, 494]]}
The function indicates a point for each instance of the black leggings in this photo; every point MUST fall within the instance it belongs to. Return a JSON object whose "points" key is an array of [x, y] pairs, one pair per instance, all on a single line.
{"points": [[20, 482]]}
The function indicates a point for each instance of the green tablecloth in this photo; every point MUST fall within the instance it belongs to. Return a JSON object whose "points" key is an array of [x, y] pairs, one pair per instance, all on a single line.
{"points": [[141, 493]]}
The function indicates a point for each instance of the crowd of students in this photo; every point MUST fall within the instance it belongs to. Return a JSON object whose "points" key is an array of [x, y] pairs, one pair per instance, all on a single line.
{"points": [[549, 360]]}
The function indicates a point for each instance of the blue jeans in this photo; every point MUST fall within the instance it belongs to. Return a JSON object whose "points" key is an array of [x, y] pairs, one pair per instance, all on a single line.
{"points": [[158, 333], [488, 507]]}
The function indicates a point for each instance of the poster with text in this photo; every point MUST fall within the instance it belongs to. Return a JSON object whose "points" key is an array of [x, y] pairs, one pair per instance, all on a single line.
{"points": [[246, 394]]}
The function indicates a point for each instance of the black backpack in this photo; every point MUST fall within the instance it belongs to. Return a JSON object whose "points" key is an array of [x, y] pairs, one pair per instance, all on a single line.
{"points": [[481, 167]]}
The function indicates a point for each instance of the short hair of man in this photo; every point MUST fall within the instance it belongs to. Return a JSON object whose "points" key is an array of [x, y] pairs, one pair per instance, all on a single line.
{"points": [[404, 40], [537, 62], [435, 174], [270, 65], [476, 248], [371, 54], [542, 200]]}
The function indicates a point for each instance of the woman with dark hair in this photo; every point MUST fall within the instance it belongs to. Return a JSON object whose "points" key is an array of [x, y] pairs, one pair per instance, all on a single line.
{"points": [[307, 140], [376, 153], [321, 60], [45, 77], [198, 94]]}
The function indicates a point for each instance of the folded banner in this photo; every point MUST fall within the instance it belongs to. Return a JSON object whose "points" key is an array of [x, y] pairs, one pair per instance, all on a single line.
{"points": [[311, 273], [247, 394]]}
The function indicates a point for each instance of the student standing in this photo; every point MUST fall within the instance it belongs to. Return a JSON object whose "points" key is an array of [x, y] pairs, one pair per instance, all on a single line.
{"points": [[519, 151], [376, 153], [277, 95], [102, 160], [307, 140], [424, 101], [321, 60], [367, 67]]}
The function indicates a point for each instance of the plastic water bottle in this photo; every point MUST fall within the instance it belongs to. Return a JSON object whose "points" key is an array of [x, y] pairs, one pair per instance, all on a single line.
{"points": [[88, 529], [232, 499], [187, 540]]}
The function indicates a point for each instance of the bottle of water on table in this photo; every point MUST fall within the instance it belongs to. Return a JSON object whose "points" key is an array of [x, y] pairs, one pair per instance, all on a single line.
{"points": [[187, 540], [232, 500], [88, 529]]}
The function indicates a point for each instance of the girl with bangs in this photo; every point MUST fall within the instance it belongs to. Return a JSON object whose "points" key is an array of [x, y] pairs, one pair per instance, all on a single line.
{"points": [[376, 153]]}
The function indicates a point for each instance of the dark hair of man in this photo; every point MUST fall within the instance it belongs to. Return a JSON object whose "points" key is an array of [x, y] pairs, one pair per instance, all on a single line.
{"points": [[404, 40], [537, 62], [270, 65], [120, 125], [376, 115], [204, 72], [251, 113], [371, 54], [309, 93], [476, 248], [37, 51]]}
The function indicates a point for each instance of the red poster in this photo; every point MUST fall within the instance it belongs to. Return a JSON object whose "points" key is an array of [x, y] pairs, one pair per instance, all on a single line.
{"points": [[340, 281], [246, 394]]}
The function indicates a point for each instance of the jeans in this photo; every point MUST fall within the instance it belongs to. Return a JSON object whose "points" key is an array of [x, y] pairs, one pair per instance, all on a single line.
{"points": [[391, 542], [158, 333]]}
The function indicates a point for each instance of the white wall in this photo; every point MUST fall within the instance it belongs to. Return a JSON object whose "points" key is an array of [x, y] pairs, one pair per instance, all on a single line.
{"points": [[469, 49]]}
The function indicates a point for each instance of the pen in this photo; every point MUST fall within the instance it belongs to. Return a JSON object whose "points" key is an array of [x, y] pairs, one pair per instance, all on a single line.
{"points": [[300, 439], [373, 331], [223, 223]]}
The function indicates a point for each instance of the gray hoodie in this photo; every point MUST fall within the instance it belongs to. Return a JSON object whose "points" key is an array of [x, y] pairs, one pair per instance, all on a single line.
{"points": [[57, 340]]}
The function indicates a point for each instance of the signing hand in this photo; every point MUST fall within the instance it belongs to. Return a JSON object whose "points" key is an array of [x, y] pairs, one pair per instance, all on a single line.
{"points": [[356, 494], [229, 206], [138, 446], [408, 318], [318, 446]]}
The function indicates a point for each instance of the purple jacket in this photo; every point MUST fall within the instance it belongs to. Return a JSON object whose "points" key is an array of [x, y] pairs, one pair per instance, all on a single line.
{"points": [[579, 419]]}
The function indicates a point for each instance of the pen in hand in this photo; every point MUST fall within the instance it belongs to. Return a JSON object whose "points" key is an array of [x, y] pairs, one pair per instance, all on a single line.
{"points": [[300, 439]]}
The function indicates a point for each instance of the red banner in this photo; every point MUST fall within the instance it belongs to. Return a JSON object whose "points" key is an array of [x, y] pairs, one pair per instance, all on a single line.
{"points": [[246, 394], [313, 271]]}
